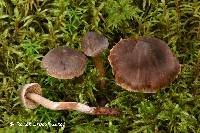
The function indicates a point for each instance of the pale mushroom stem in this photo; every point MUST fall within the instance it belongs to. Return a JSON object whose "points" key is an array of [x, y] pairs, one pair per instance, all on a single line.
{"points": [[71, 106], [100, 68]]}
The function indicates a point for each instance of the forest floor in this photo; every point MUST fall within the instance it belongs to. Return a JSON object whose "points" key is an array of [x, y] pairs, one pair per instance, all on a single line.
{"points": [[30, 28]]}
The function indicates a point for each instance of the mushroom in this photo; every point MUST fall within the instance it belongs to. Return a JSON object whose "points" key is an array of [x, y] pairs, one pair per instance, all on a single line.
{"points": [[31, 97], [64, 63], [93, 44], [143, 65]]}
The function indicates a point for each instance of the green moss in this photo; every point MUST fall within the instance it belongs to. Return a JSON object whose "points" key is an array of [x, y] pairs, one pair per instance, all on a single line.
{"points": [[29, 29]]}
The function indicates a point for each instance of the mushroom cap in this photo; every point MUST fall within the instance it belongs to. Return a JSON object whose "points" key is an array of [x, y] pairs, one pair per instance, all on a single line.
{"points": [[94, 43], [143, 65], [30, 88], [64, 63]]}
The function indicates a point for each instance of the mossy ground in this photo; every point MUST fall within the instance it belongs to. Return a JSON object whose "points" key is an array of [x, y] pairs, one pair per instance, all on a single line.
{"points": [[30, 28]]}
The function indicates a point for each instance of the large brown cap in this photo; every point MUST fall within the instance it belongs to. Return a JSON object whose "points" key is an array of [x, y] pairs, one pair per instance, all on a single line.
{"points": [[30, 88], [64, 63], [94, 43], [143, 65]]}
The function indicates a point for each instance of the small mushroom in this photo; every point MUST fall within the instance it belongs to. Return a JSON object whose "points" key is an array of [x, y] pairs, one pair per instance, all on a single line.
{"points": [[31, 97], [64, 63], [93, 45], [143, 65]]}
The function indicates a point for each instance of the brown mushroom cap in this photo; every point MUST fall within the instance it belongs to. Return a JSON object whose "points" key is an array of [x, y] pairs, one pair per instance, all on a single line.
{"points": [[30, 88], [94, 43], [64, 63], [143, 65]]}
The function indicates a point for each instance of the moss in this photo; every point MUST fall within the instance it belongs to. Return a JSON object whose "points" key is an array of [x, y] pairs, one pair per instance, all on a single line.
{"points": [[29, 29]]}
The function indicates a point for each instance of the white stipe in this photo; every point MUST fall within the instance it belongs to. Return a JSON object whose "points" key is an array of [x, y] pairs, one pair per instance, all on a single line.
{"points": [[43, 101]]}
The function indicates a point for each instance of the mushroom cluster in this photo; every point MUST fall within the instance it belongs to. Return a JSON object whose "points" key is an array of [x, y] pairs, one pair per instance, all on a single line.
{"points": [[61, 63], [143, 65]]}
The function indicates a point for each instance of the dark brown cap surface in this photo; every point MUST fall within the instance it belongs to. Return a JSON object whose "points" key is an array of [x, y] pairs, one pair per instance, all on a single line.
{"points": [[94, 43], [143, 65], [64, 63], [30, 88]]}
